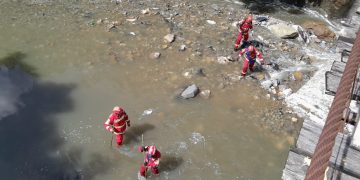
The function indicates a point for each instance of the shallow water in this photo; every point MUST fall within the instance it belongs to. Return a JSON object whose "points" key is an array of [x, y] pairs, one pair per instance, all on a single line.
{"points": [[84, 71]]}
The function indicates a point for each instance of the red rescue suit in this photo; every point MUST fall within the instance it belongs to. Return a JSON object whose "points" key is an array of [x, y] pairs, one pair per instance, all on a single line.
{"points": [[116, 123], [244, 26], [152, 158], [250, 58]]}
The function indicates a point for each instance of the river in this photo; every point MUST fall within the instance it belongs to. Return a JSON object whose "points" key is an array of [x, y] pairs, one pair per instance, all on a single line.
{"points": [[54, 126]]}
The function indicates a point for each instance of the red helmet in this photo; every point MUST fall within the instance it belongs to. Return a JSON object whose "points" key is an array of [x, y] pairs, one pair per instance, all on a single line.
{"points": [[117, 109], [251, 48], [249, 19]]}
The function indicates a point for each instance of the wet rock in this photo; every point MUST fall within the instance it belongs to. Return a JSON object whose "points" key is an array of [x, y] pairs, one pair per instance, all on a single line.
{"points": [[320, 29], [268, 96], [262, 18], [164, 46], [347, 34], [267, 84], [211, 22], [298, 76], [205, 94], [145, 11], [155, 55], [303, 34], [284, 93], [169, 38], [190, 92], [199, 71], [99, 21], [132, 19], [283, 31], [222, 60], [110, 27], [182, 47]]}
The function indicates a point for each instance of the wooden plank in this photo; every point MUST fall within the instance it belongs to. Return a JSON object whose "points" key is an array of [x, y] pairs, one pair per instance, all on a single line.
{"points": [[343, 156], [332, 82], [338, 66], [345, 55], [309, 136], [333, 174], [295, 169]]}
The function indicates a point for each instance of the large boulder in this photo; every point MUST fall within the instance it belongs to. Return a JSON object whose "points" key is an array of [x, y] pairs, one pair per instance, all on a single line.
{"points": [[190, 92], [320, 29], [283, 31]]}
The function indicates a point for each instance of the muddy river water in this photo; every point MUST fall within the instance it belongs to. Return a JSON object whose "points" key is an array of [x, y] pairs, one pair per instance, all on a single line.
{"points": [[84, 68]]}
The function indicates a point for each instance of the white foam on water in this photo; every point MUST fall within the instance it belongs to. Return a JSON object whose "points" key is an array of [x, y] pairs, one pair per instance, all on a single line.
{"points": [[197, 138], [310, 101], [13, 83]]}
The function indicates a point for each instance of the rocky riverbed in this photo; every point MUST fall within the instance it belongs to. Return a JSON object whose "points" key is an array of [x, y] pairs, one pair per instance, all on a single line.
{"points": [[174, 62]]}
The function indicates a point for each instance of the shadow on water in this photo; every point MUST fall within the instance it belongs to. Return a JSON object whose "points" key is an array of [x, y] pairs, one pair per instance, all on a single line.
{"points": [[170, 163], [30, 141], [133, 134]]}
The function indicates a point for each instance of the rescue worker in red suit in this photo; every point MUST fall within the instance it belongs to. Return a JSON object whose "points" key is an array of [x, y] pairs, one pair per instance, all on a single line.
{"points": [[116, 123], [152, 158], [245, 26], [251, 53]]}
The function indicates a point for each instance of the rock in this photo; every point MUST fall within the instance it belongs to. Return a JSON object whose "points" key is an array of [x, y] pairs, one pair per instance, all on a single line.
{"points": [[198, 71], [132, 19], [303, 34], [169, 38], [262, 18], [358, 10], [145, 11], [164, 46], [268, 96], [222, 60], [99, 21], [182, 47], [298, 76], [266, 84], [205, 94], [294, 119], [155, 55], [283, 31], [211, 22], [347, 34], [320, 30], [190, 92], [110, 27], [285, 93]]}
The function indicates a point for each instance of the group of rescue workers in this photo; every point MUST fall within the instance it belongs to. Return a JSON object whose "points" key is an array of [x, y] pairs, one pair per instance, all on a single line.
{"points": [[118, 120]]}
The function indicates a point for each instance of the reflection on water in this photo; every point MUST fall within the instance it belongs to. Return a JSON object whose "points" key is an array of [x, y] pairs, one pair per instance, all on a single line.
{"points": [[84, 71]]}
